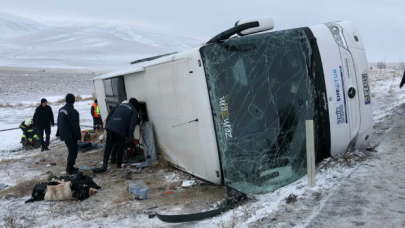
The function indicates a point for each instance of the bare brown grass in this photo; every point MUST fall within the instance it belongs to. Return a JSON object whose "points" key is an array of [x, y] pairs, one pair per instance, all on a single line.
{"points": [[18, 105], [23, 188], [6, 105], [61, 162], [123, 196], [10, 221], [5, 161], [348, 159], [292, 198]]}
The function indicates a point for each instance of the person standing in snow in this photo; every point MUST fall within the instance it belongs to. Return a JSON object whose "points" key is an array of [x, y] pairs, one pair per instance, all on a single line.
{"points": [[402, 81], [120, 124], [69, 131], [43, 119], [29, 138], [95, 112]]}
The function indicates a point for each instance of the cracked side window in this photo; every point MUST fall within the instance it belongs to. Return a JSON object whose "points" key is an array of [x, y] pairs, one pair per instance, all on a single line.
{"points": [[261, 95]]}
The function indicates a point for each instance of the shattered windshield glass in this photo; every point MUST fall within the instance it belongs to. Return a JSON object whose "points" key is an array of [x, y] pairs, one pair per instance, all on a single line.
{"points": [[261, 95]]}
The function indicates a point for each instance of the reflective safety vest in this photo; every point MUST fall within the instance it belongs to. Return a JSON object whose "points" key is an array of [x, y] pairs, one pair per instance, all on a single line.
{"points": [[96, 110], [30, 134]]}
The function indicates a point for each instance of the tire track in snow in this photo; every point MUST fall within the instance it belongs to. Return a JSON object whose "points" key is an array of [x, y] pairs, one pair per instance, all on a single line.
{"points": [[33, 49]]}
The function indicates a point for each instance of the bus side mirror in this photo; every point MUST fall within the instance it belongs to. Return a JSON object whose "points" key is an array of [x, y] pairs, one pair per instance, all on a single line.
{"points": [[245, 27], [265, 23]]}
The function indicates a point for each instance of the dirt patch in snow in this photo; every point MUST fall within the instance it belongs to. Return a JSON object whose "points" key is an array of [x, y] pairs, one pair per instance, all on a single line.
{"points": [[113, 200]]}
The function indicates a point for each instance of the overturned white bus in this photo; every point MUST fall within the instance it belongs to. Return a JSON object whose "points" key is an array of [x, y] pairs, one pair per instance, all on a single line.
{"points": [[233, 111]]}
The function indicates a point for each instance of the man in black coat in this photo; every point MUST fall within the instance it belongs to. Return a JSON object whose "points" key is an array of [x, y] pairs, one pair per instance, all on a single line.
{"points": [[402, 81], [120, 124], [69, 131], [43, 119]]}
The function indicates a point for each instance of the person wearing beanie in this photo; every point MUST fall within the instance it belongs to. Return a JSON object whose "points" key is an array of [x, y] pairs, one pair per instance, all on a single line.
{"points": [[120, 124], [43, 119], [95, 112], [29, 138], [69, 131]]}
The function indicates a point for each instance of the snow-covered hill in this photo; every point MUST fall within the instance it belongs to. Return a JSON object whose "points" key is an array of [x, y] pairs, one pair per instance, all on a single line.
{"points": [[95, 46], [13, 26]]}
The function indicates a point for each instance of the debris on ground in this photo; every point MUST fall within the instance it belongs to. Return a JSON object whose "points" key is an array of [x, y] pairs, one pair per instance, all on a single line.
{"points": [[139, 190], [128, 173], [84, 167], [143, 165], [3, 186], [187, 183], [292, 198]]}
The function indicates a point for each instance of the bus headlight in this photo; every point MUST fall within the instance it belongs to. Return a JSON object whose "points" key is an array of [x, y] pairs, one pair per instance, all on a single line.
{"points": [[337, 33]]}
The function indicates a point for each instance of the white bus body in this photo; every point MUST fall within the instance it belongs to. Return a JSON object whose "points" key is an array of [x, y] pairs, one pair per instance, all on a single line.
{"points": [[211, 135]]}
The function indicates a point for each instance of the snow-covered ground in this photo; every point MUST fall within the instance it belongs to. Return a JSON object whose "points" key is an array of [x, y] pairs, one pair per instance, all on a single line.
{"points": [[22, 89], [12, 117], [350, 189], [92, 46]]}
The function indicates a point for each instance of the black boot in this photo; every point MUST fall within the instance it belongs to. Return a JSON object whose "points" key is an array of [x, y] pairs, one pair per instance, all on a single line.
{"points": [[119, 164], [103, 168], [105, 164], [75, 169], [42, 149], [46, 148], [70, 169]]}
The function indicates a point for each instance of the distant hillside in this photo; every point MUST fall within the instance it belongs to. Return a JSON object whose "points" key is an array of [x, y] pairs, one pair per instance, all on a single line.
{"points": [[102, 46], [13, 26]]}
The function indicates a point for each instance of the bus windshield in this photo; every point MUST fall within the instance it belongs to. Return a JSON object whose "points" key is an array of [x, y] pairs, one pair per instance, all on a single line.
{"points": [[261, 94]]}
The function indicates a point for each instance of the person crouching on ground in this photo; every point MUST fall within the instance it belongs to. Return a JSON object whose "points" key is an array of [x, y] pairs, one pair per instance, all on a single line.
{"points": [[43, 119], [120, 124], [69, 131], [29, 138], [95, 112]]}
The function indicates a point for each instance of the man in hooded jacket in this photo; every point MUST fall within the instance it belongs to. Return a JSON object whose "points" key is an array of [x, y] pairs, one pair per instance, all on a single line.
{"points": [[120, 124], [43, 119], [69, 131]]}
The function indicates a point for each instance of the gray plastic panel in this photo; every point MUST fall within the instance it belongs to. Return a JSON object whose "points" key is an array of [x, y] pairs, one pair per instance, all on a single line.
{"points": [[148, 141]]}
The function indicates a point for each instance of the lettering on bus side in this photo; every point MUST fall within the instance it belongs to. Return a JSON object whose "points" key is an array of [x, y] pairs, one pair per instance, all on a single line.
{"points": [[225, 117], [339, 102], [340, 114], [337, 86]]}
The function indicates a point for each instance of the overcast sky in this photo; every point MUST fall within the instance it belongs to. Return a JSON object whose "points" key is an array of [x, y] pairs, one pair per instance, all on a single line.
{"points": [[381, 23]]}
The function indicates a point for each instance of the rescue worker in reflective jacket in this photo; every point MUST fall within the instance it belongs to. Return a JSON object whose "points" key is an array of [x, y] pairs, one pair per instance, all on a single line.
{"points": [[29, 138], [43, 119], [95, 112], [69, 131], [120, 124]]}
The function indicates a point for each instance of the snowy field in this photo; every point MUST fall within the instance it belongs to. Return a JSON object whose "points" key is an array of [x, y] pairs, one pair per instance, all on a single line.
{"points": [[351, 190], [102, 46], [22, 89]]}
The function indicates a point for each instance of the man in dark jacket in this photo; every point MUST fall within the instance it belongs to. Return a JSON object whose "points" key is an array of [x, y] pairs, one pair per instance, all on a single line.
{"points": [[120, 124], [69, 131], [43, 119], [402, 81]]}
